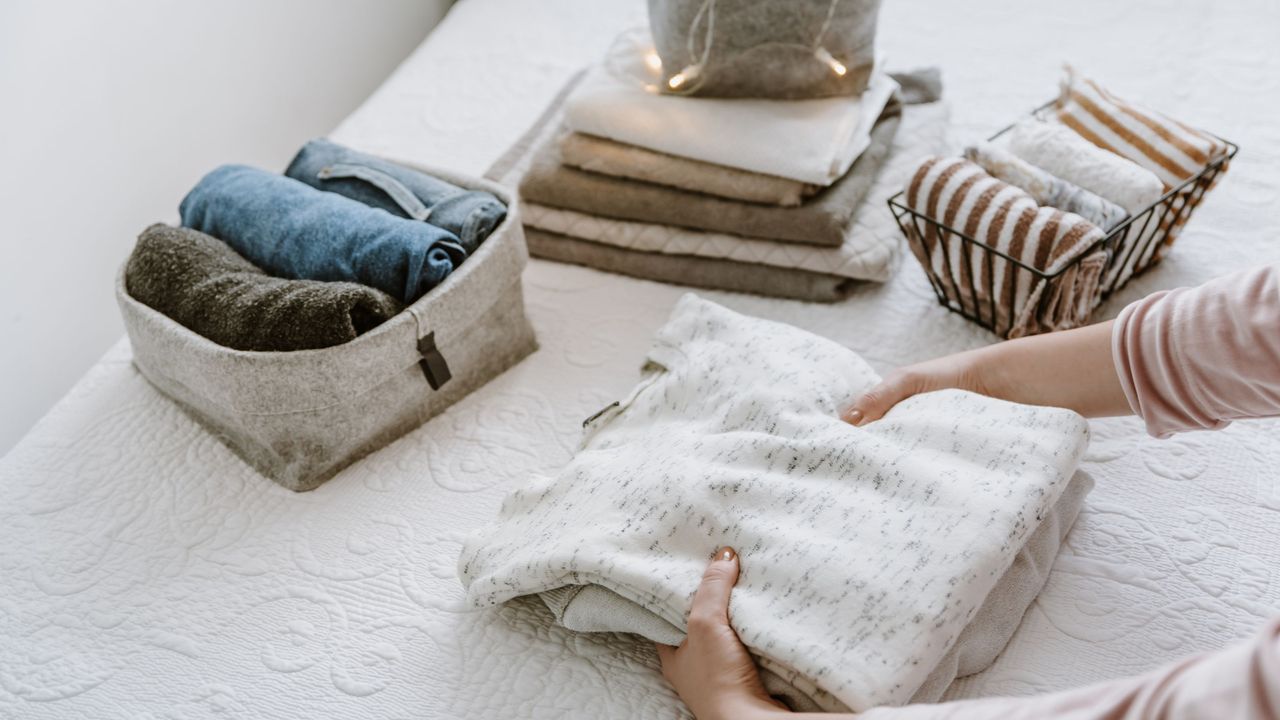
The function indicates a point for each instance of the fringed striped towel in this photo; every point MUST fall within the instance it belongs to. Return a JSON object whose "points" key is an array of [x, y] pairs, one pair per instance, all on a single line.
{"points": [[1006, 293], [1172, 150], [1166, 147]]}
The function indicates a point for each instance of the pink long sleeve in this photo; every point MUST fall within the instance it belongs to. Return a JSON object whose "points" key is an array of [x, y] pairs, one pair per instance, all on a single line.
{"points": [[1197, 358]]}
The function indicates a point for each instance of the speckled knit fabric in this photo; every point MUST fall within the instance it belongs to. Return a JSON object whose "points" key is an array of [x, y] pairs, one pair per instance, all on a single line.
{"points": [[866, 550]]}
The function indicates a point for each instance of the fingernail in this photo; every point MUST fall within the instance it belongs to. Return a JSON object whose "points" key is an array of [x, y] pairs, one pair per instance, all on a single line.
{"points": [[726, 554], [854, 417]]}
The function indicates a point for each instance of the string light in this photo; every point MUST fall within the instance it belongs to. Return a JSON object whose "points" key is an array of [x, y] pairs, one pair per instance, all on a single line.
{"points": [[653, 61], [825, 56], [686, 75]]}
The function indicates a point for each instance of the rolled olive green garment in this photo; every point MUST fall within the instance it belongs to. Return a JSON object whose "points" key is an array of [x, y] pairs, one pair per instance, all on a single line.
{"points": [[204, 285]]}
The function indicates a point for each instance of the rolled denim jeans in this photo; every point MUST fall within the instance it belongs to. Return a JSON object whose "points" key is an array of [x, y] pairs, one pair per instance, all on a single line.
{"points": [[294, 231], [402, 191]]}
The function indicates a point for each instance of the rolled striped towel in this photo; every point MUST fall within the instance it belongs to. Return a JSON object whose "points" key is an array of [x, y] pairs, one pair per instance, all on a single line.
{"points": [[1058, 150], [1002, 289], [1166, 147], [1044, 188], [1172, 150]]}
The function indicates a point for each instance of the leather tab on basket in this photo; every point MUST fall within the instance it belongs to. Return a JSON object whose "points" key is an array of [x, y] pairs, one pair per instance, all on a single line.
{"points": [[600, 412], [433, 364]]}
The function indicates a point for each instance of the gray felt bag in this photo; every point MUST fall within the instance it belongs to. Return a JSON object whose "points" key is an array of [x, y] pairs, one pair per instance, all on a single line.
{"points": [[788, 49], [300, 417]]}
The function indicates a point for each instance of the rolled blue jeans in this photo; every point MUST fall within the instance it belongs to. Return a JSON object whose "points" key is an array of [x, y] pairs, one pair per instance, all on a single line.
{"points": [[400, 190], [291, 230]]}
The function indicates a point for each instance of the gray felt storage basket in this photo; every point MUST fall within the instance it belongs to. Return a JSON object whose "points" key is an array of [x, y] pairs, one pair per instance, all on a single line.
{"points": [[300, 417]]}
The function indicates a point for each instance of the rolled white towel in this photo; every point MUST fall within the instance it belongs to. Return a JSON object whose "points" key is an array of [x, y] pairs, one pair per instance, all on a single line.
{"points": [[1060, 151], [1044, 188]]}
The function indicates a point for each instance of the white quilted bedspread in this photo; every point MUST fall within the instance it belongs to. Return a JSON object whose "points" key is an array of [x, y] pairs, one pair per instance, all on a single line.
{"points": [[146, 572]]}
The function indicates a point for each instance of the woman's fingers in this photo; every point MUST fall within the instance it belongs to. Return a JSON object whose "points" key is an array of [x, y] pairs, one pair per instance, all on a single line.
{"points": [[711, 600], [877, 401], [666, 657]]}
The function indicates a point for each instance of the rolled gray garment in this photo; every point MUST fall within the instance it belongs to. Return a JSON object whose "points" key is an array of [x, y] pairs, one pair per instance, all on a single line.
{"points": [[1045, 188]]}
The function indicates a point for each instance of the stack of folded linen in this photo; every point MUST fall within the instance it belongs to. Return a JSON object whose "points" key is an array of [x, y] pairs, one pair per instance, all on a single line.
{"points": [[310, 259], [781, 198], [878, 562], [1044, 197]]}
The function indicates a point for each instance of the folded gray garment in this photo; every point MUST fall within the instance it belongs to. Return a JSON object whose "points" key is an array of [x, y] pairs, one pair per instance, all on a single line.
{"points": [[823, 220], [610, 157], [691, 270], [922, 85], [202, 284], [593, 608]]}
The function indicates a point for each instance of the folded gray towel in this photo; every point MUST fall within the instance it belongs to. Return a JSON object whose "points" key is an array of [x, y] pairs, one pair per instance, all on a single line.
{"points": [[201, 283], [691, 270]]}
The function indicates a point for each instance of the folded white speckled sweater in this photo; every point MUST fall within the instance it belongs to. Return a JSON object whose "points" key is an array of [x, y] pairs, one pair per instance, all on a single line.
{"points": [[866, 551]]}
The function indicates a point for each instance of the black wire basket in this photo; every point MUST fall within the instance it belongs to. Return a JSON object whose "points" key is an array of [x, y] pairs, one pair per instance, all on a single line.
{"points": [[1130, 248]]}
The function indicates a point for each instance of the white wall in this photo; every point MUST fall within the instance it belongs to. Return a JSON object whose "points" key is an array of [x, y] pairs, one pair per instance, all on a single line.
{"points": [[110, 111]]}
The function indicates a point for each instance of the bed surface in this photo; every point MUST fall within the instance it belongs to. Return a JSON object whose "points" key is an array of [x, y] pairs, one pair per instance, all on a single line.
{"points": [[146, 572]]}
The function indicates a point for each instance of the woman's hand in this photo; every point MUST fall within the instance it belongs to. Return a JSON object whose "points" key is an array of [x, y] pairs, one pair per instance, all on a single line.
{"points": [[1071, 369], [711, 669], [964, 371]]}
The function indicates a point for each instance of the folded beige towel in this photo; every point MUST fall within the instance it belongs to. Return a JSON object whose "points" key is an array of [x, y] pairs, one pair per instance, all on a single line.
{"points": [[699, 272], [609, 157]]}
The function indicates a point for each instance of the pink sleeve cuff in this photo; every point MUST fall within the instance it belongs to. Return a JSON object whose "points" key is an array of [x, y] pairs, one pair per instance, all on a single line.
{"points": [[1197, 358]]}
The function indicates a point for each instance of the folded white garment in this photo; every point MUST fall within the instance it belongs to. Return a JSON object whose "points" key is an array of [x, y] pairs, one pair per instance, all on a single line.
{"points": [[1058, 150], [593, 608], [867, 551], [869, 250], [812, 141]]}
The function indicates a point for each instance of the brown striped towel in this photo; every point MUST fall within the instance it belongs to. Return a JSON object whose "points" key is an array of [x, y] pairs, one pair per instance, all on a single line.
{"points": [[1035, 281], [1172, 150], [1166, 147]]}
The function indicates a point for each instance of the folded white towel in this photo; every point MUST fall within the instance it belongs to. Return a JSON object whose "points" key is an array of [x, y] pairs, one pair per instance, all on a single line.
{"points": [[812, 141], [866, 551], [1060, 151]]}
